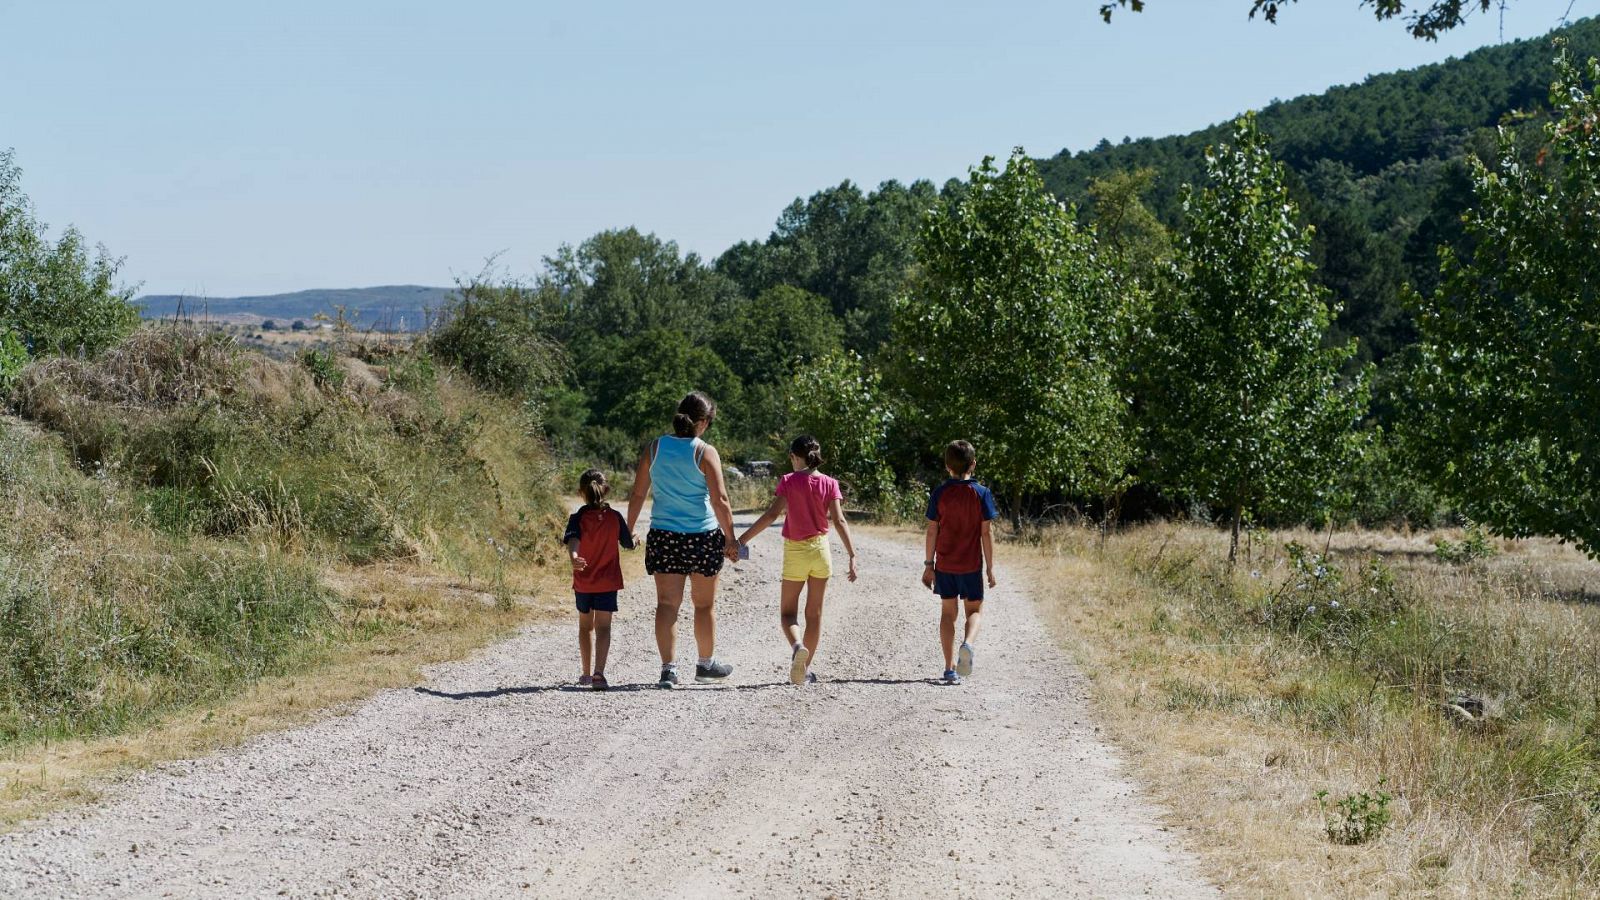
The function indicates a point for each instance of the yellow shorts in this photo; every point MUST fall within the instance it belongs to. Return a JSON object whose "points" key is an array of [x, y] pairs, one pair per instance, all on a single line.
{"points": [[809, 558]]}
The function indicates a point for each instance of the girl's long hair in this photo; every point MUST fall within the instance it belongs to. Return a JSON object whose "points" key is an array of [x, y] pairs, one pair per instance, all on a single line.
{"points": [[593, 487], [807, 448]]}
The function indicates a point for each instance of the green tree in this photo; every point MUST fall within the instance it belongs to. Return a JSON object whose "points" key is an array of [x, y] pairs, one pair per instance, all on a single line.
{"points": [[494, 328], [1006, 332], [626, 283], [1244, 407], [776, 332], [841, 403], [1508, 378], [56, 297], [1427, 19], [635, 383]]}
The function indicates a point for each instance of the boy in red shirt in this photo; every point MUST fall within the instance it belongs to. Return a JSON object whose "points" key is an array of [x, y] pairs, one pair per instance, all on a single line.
{"points": [[592, 536], [959, 553]]}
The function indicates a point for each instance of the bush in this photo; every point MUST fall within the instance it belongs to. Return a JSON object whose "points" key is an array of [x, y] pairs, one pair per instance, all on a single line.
{"points": [[1356, 819], [494, 331], [13, 356], [55, 297], [1475, 545]]}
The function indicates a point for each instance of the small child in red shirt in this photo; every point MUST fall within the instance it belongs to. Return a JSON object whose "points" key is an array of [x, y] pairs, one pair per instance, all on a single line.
{"points": [[592, 536], [808, 500]]}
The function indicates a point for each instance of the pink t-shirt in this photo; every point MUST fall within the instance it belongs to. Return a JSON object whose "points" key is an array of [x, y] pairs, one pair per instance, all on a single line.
{"points": [[808, 495]]}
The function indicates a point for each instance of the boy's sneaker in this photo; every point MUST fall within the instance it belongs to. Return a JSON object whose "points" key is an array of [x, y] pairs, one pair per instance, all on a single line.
{"points": [[600, 683], [584, 681], [669, 678], [799, 661], [950, 677], [713, 673], [811, 678], [964, 660]]}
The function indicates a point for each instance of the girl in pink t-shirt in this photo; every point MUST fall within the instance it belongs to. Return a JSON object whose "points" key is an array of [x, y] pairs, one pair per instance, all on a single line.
{"points": [[812, 500]]}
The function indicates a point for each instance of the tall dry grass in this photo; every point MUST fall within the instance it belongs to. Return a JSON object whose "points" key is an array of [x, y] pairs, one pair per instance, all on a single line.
{"points": [[1356, 662]]}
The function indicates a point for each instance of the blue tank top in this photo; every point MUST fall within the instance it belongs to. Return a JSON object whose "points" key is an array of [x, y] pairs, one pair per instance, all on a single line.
{"points": [[682, 499]]}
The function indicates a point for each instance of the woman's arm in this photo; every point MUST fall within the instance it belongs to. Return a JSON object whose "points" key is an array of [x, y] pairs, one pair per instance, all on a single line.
{"points": [[836, 513], [641, 488], [711, 467], [929, 543], [774, 510]]}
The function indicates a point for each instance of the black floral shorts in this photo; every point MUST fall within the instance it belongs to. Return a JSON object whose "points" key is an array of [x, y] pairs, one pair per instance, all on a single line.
{"points": [[682, 553]]}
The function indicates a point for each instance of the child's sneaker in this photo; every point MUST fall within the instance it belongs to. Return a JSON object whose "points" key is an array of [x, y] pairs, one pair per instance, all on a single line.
{"points": [[712, 672], [964, 660], [811, 678], [798, 662], [668, 679], [600, 683], [585, 681], [950, 677]]}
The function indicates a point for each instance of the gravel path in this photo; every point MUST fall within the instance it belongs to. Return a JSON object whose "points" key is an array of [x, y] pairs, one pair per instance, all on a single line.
{"points": [[497, 777]]}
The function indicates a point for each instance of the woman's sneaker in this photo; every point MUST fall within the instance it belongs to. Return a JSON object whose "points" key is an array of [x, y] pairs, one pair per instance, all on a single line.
{"points": [[799, 661], [669, 677], [713, 673], [964, 660], [950, 677]]}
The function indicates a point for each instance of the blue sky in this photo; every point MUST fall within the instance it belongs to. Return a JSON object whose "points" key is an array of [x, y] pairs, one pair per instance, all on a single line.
{"points": [[228, 148]]}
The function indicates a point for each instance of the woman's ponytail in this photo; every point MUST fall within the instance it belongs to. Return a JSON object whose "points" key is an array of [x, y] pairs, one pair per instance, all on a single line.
{"points": [[807, 448], [694, 409]]}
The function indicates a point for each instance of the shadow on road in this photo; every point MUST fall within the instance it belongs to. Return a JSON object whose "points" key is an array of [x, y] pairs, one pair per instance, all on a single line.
{"points": [[529, 689]]}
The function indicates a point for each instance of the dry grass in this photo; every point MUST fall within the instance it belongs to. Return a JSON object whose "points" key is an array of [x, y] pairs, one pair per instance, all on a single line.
{"points": [[398, 619], [1236, 723]]}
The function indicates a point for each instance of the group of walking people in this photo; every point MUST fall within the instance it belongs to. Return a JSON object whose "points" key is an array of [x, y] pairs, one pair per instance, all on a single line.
{"points": [[692, 535]]}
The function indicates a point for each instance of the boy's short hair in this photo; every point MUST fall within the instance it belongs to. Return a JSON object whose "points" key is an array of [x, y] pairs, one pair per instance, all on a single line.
{"points": [[959, 456]]}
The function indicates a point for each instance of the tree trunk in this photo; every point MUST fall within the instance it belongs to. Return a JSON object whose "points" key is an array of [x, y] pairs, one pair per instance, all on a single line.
{"points": [[1016, 510], [1233, 545]]}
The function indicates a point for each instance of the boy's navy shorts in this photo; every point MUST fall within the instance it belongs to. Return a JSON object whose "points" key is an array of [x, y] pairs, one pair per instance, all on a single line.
{"points": [[967, 587], [606, 601]]}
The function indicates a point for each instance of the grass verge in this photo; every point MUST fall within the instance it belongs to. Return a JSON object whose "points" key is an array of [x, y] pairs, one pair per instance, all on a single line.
{"points": [[1450, 712]]}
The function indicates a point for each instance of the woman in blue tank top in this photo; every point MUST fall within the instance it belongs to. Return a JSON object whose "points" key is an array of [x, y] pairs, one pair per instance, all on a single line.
{"points": [[691, 533]]}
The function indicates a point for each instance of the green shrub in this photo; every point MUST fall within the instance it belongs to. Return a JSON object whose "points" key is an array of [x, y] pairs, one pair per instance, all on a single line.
{"points": [[1473, 546], [1355, 819], [13, 356], [495, 332], [324, 368]]}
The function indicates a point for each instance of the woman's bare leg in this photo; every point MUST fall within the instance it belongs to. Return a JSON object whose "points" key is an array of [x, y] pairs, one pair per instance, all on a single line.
{"points": [[703, 592], [602, 642], [669, 598], [789, 611]]}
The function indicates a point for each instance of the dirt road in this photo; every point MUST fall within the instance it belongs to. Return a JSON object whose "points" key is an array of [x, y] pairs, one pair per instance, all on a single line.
{"points": [[498, 778]]}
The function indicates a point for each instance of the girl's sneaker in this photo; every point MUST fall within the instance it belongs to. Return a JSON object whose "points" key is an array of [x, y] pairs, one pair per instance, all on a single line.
{"points": [[964, 660], [950, 677], [600, 683], [585, 681], [799, 661]]}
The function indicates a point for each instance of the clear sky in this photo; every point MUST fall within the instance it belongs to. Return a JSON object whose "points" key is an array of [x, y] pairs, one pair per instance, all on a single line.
{"points": [[239, 148]]}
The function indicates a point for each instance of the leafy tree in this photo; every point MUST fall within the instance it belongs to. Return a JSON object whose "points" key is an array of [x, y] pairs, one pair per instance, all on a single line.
{"points": [[836, 399], [850, 247], [1005, 333], [780, 329], [1245, 409], [1427, 19], [1508, 379], [494, 329], [635, 383], [55, 297], [627, 283]]}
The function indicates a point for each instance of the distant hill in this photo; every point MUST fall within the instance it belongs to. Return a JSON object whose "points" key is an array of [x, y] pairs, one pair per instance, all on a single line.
{"points": [[390, 308]]}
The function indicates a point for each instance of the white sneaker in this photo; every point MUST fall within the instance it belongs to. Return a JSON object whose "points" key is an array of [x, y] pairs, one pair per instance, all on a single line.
{"points": [[964, 660], [798, 663]]}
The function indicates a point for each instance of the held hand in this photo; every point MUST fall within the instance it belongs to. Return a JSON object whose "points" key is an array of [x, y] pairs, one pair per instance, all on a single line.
{"points": [[579, 564], [730, 549], [991, 578], [852, 573], [927, 577], [636, 540]]}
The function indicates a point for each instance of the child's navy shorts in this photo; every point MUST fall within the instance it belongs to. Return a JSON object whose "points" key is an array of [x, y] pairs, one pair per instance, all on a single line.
{"points": [[605, 601], [967, 587]]}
